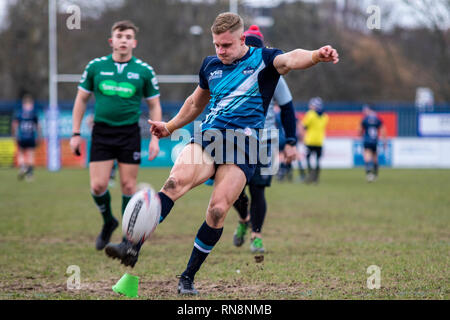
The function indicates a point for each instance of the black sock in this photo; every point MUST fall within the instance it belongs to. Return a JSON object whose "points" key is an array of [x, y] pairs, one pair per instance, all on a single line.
{"points": [[166, 206], [375, 168], [206, 239], [258, 207], [241, 205], [103, 203]]}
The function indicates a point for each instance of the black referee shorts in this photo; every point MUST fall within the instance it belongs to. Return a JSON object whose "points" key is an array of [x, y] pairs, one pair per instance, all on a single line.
{"points": [[122, 143]]}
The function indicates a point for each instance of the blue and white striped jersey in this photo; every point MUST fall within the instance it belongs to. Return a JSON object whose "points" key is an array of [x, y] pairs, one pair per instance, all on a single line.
{"points": [[240, 92]]}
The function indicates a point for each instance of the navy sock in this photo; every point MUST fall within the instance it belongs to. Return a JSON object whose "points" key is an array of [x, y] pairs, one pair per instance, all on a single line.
{"points": [[206, 239], [166, 206]]}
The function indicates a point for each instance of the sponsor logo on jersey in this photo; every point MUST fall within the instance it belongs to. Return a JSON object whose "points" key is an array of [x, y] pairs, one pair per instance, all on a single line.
{"points": [[132, 75], [106, 73], [247, 71], [122, 89], [215, 75]]}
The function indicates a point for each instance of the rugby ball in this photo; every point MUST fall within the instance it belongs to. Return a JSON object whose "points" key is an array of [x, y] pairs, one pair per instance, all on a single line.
{"points": [[141, 215]]}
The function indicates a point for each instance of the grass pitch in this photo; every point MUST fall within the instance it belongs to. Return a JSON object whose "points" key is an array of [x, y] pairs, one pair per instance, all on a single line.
{"points": [[320, 240]]}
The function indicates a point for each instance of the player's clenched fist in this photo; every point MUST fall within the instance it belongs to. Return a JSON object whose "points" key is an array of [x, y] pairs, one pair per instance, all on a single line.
{"points": [[159, 129], [326, 54]]}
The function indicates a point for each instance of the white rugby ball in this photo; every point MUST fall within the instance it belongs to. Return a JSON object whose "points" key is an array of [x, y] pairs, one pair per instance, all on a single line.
{"points": [[141, 215]]}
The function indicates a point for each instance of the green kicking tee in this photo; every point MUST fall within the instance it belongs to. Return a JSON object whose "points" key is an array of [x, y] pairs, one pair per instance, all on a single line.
{"points": [[118, 88]]}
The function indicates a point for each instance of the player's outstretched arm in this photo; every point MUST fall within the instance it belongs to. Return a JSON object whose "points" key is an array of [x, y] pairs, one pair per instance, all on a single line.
{"points": [[191, 109], [302, 59]]}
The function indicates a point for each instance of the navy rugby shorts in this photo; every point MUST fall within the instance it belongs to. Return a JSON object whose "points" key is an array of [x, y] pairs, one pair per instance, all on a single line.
{"points": [[371, 146], [239, 147]]}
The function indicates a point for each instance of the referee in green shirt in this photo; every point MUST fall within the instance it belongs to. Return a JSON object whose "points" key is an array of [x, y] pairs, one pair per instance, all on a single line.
{"points": [[119, 82]]}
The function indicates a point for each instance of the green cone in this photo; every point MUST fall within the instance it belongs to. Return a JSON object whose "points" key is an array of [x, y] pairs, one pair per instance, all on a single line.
{"points": [[127, 285]]}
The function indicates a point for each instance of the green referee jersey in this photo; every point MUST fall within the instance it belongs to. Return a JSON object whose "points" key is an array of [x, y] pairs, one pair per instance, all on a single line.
{"points": [[118, 88]]}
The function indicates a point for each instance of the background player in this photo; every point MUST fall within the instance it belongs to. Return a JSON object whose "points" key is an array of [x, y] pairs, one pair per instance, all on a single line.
{"points": [[371, 128], [313, 128], [285, 167], [25, 127], [119, 82], [238, 105], [259, 181], [300, 154]]}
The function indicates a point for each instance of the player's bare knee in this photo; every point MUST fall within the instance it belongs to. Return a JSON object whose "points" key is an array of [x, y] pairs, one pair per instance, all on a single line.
{"points": [[98, 188], [216, 215], [128, 187]]}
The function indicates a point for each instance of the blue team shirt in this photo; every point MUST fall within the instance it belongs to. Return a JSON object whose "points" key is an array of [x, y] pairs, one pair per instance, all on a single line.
{"points": [[27, 128], [240, 92], [371, 126]]}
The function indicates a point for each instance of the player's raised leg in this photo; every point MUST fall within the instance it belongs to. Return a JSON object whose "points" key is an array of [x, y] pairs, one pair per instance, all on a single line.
{"points": [[192, 168], [229, 182], [99, 172]]}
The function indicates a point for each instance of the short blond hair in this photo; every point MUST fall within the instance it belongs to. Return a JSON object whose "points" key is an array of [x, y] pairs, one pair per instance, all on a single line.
{"points": [[227, 21]]}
